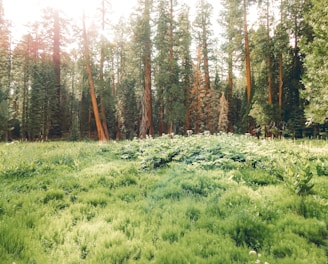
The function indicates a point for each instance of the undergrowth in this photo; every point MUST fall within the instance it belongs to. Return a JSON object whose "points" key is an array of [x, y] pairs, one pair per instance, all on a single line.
{"points": [[199, 199]]}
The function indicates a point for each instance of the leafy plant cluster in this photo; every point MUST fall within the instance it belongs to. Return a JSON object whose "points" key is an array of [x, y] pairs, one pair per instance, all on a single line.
{"points": [[205, 152], [88, 203], [228, 152]]}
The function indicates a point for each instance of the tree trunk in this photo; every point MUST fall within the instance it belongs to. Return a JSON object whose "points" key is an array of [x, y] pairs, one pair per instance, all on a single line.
{"points": [[146, 127], [198, 94], [230, 85], [269, 73], [247, 56], [119, 121], [280, 80], [171, 61], [161, 128], [101, 76], [26, 77], [100, 131], [280, 65], [206, 77], [58, 115]]}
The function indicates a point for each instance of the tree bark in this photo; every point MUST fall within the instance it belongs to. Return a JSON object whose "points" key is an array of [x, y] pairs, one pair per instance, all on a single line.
{"points": [[170, 117], [100, 131], [280, 80], [269, 73], [280, 66], [57, 115], [230, 84], [206, 77], [101, 76], [146, 127], [247, 56]]}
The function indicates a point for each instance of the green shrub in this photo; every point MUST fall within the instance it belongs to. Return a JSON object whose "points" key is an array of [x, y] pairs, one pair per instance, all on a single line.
{"points": [[312, 207], [173, 254], [63, 161], [257, 177], [215, 199], [129, 151], [193, 214], [237, 198], [129, 194], [69, 184], [170, 235], [23, 170], [322, 168], [125, 180], [297, 176], [107, 182], [282, 251], [117, 250], [199, 186], [87, 212], [54, 195], [171, 191], [289, 247], [247, 229], [313, 230], [12, 239], [98, 201], [2, 208]]}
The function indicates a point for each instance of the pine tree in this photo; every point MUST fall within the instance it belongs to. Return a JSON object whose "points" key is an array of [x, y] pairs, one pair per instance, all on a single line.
{"points": [[198, 94], [297, 28], [186, 67], [202, 26], [316, 75], [162, 73], [5, 76], [233, 27], [41, 102], [127, 107], [104, 7], [23, 61], [143, 38], [100, 131], [170, 94], [247, 54], [223, 122]]}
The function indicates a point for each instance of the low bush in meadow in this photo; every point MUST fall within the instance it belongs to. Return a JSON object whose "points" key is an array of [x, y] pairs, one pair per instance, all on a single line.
{"points": [[199, 199]]}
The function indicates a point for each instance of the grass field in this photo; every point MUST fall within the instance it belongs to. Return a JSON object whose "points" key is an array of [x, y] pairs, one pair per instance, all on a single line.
{"points": [[200, 199]]}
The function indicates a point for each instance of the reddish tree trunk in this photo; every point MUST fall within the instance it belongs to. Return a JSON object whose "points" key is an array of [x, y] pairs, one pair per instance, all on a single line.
{"points": [[101, 77], [247, 57], [269, 56], [206, 78], [280, 80], [169, 109], [146, 127], [100, 131], [280, 66]]}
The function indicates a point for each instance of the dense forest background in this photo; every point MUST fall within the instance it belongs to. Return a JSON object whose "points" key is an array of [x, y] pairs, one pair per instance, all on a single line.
{"points": [[165, 71]]}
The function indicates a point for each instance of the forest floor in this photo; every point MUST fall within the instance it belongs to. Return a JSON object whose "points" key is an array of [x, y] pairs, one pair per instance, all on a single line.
{"points": [[199, 199]]}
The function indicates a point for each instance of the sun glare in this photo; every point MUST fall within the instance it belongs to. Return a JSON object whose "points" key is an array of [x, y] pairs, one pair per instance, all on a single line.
{"points": [[21, 12]]}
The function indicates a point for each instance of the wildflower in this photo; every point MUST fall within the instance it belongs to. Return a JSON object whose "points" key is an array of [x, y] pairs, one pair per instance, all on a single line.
{"points": [[252, 252]]}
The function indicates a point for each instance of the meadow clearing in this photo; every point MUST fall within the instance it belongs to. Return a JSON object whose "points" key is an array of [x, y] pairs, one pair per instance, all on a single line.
{"points": [[199, 199]]}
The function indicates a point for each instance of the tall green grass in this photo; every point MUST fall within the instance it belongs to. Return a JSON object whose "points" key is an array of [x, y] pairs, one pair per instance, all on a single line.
{"points": [[215, 199]]}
